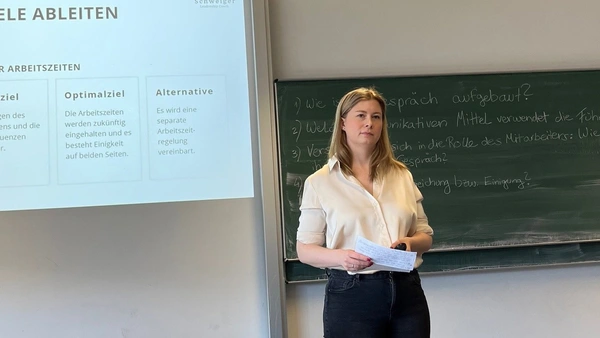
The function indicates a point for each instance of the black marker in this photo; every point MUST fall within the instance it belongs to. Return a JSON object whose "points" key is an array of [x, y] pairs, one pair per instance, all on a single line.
{"points": [[401, 246]]}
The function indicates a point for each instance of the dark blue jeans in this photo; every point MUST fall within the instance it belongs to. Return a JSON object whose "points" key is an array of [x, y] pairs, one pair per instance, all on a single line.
{"points": [[380, 305]]}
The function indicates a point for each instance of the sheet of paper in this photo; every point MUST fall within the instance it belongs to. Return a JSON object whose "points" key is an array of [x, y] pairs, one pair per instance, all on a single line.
{"points": [[386, 258]]}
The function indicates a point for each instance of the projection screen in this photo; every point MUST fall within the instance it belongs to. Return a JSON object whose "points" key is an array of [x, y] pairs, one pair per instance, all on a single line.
{"points": [[123, 102]]}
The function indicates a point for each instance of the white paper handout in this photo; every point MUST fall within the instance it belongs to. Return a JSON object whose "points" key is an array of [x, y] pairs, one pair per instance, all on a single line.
{"points": [[386, 259]]}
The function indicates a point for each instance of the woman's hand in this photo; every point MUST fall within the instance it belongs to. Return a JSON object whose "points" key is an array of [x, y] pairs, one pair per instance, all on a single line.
{"points": [[352, 261], [405, 240], [419, 242], [321, 257]]}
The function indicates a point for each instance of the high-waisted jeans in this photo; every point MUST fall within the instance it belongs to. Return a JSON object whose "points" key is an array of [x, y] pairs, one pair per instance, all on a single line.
{"points": [[380, 305]]}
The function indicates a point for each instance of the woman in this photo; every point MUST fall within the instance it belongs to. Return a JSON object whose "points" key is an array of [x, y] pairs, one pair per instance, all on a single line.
{"points": [[364, 191]]}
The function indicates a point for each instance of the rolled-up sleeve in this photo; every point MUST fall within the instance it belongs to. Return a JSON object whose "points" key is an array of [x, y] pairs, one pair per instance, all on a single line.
{"points": [[311, 229], [422, 221]]}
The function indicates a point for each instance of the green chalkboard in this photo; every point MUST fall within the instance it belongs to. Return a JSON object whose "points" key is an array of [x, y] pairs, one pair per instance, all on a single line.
{"points": [[504, 160]]}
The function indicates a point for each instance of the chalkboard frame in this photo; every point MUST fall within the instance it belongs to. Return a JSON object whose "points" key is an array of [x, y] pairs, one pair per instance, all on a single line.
{"points": [[461, 261], [450, 260]]}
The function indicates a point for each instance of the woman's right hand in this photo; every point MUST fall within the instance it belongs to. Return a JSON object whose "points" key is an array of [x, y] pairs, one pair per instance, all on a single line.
{"points": [[352, 261], [320, 257]]}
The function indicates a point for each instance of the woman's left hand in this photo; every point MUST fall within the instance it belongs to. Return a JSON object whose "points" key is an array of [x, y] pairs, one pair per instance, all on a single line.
{"points": [[420, 242], [405, 240]]}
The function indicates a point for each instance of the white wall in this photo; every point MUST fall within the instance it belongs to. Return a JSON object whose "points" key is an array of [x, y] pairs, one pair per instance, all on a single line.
{"points": [[549, 302], [349, 38], [168, 270]]}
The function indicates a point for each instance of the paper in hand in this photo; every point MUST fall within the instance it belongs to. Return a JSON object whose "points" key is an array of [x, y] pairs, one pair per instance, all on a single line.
{"points": [[386, 259]]}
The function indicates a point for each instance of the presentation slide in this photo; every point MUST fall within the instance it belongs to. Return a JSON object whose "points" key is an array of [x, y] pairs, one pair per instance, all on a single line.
{"points": [[123, 102]]}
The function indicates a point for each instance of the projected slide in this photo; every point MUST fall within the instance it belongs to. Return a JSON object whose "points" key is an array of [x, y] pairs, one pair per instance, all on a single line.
{"points": [[123, 102]]}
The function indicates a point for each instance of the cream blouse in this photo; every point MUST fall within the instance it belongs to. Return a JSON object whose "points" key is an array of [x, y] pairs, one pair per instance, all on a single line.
{"points": [[336, 209]]}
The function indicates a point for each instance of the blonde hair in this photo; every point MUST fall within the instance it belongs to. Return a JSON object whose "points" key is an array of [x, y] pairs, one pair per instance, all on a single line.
{"points": [[382, 158]]}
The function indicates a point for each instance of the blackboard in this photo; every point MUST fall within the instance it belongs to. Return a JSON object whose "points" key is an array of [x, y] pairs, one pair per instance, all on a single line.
{"points": [[505, 161]]}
